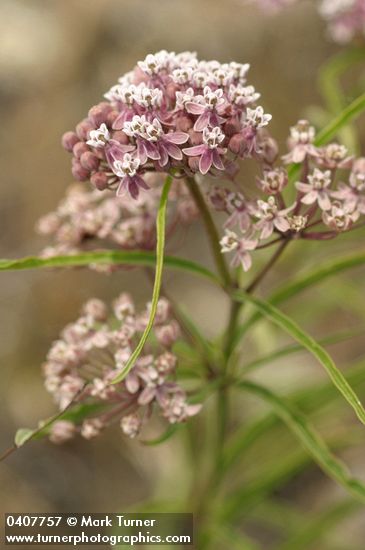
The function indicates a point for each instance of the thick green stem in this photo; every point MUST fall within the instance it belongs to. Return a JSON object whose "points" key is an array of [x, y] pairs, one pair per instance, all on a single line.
{"points": [[212, 232]]}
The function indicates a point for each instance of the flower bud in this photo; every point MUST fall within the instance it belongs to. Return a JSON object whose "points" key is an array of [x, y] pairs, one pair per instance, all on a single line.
{"points": [[89, 161], [69, 140], [79, 148], [83, 128], [99, 113], [99, 180], [79, 173], [183, 123], [237, 144]]}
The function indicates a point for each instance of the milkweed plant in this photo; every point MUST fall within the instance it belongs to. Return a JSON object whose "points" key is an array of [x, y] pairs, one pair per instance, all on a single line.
{"points": [[167, 148]]}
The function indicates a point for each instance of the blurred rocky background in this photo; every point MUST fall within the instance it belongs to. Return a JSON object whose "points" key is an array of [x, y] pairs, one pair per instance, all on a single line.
{"points": [[57, 58]]}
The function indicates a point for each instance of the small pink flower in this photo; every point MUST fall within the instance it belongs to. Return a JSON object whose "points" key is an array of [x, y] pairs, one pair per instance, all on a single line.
{"points": [[242, 248], [341, 216], [130, 181], [353, 193], [240, 211], [317, 190], [301, 142], [270, 217], [209, 107], [209, 151]]}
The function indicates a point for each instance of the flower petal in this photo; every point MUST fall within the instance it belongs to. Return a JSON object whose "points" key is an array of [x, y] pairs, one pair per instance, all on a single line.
{"points": [[194, 108], [202, 122], [176, 137], [205, 162], [195, 151], [217, 161]]}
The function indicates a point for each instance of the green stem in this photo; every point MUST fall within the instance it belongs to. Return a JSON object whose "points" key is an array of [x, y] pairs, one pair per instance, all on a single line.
{"points": [[212, 232]]}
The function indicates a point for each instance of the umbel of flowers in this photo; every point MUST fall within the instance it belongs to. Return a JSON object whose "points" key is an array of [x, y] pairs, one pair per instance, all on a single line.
{"points": [[87, 219], [172, 111], [330, 199], [89, 354]]}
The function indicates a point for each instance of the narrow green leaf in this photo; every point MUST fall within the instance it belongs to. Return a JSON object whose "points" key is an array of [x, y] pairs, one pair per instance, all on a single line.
{"points": [[309, 438], [160, 249], [351, 112], [22, 436], [308, 399], [303, 282], [115, 257], [341, 336], [305, 340]]}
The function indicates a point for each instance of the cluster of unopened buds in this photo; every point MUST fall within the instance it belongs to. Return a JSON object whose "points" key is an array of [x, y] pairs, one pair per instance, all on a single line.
{"points": [[172, 113], [83, 363], [345, 18], [88, 219], [330, 196]]}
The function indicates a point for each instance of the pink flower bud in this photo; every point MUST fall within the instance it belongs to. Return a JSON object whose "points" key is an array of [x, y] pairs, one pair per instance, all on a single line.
{"points": [[111, 118], [83, 128], [100, 180], [69, 140], [99, 113], [184, 123], [79, 173], [89, 161], [79, 148], [269, 149], [237, 144]]}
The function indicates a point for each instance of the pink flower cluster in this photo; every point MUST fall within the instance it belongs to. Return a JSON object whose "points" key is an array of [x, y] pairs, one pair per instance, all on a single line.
{"points": [[172, 112], [345, 18], [88, 219], [330, 192], [90, 352]]}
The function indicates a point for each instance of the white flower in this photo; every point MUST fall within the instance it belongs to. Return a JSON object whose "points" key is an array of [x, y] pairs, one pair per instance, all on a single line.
{"points": [[242, 95], [213, 138], [136, 126], [184, 97], [257, 117], [229, 242], [240, 70], [153, 131], [212, 99], [147, 97], [99, 137], [182, 75], [302, 132], [126, 167]]}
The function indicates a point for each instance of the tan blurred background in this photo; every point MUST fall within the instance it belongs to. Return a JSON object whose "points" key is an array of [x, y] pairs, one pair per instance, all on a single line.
{"points": [[57, 58]]}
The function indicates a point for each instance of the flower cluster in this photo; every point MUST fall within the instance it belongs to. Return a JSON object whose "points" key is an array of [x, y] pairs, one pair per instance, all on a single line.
{"points": [[331, 192], [171, 113], [82, 364], [88, 218], [345, 18]]}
